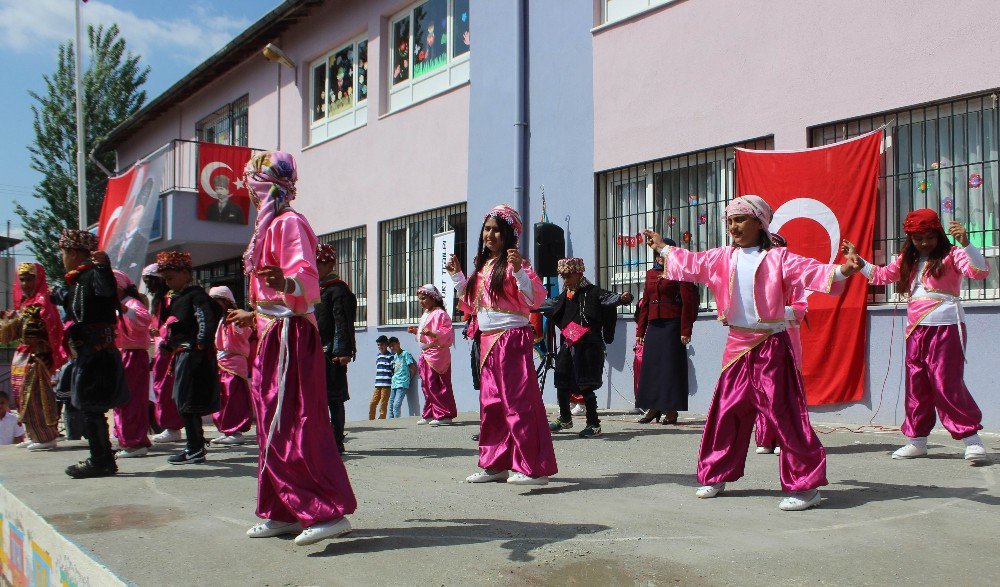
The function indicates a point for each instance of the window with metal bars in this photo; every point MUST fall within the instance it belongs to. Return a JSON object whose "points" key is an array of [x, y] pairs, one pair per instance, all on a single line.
{"points": [[227, 125], [941, 156], [352, 264], [406, 253], [683, 197]]}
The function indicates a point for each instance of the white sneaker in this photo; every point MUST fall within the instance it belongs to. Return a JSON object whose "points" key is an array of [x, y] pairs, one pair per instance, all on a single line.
{"points": [[909, 451], [441, 422], [27, 442], [709, 491], [269, 528], [421, 421], [167, 436], [973, 452], [131, 453], [522, 479], [797, 502], [763, 450], [42, 445], [230, 440], [487, 475], [777, 450], [578, 410], [331, 529]]}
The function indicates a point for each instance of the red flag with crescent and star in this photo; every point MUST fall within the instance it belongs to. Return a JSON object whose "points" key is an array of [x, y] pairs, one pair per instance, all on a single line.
{"points": [[222, 194], [821, 196]]}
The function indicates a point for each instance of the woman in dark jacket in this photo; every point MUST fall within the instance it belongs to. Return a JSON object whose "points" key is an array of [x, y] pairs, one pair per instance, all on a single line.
{"points": [[663, 326]]}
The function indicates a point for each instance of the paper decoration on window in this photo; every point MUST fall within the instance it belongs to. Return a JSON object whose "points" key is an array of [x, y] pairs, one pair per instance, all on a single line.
{"points": [[671, 220], [935, 165], [702, 219], [947, 205], [625, 240], [975, 180], [922, 186], [693, 199], [687, 236]]}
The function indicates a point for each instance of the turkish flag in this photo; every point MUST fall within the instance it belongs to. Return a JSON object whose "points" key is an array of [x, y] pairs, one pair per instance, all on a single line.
{"points": [[115, 195], [222, 194], [821, 196]]}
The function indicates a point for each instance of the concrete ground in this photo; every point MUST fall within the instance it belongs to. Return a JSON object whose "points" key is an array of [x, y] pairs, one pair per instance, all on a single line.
{"points": [[620, 512]]}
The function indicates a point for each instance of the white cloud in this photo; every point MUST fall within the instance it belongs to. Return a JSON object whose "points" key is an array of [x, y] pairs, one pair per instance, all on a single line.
{"points": [[37, 26]]}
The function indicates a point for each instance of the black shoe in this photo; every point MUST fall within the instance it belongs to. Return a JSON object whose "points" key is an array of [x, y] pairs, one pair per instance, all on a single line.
{"points": [[650, 416], [87, 469], [184, 458], [670, 417], [590, 431], [475, 437], [557, 425], [340, 448]]}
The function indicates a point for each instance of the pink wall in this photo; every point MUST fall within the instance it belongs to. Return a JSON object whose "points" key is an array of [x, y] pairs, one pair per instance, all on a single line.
{"points": [[702, 73], [406, 162]]}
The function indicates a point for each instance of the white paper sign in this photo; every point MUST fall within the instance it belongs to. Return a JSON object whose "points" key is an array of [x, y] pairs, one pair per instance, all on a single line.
{"points": [[444, 246]]}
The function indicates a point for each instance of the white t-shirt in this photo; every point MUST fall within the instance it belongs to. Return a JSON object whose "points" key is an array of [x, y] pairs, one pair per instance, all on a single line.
{"points": [[9, 428]]}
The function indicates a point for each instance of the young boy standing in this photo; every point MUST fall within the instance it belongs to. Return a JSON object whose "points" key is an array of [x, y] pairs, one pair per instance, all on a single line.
{"points": [[383, 379], [404, 369]]}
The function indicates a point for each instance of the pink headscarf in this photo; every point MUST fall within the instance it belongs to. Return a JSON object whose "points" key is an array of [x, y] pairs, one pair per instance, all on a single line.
{"points": [[509, 215], [751, 205], [121, 280], [53, 325], [271, 178], [429, 289]]}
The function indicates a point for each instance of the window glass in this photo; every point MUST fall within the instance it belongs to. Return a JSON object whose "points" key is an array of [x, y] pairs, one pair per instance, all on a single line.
{"points": [[401, 50], [319, 92], [461, 40], [362, 71]]}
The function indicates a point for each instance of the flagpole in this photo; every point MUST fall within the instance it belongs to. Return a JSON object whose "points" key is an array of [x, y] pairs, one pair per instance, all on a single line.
{"points": [[81, 159]]}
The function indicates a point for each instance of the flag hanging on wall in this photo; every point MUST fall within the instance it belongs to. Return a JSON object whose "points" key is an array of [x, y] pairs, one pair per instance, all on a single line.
{"points": [[821, 196], [222, 195]]}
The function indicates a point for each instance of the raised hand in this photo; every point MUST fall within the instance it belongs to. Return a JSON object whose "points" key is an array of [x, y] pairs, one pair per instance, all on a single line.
{"points": [[848, 248], [515, 259], [958, 232], [241, 317], [454, 265], [273, 276], [654, 239], [852, 264]]}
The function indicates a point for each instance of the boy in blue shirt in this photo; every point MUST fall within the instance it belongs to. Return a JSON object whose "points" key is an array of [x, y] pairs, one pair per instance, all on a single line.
{"points": [[404, 369]]}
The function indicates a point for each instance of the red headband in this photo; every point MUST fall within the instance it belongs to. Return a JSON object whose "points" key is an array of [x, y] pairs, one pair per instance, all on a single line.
{"points": [[922, 220]]}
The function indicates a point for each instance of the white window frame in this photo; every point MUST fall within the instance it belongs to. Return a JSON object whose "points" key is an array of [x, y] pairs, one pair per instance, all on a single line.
{"points": [[453, 74], [617, 10], [344, 122]]}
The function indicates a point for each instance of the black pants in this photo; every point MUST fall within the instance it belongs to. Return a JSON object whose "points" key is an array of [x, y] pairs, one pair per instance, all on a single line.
{"points": [[95, 427], [337, 418], [75, 422], [589, 400], [195, 433]]}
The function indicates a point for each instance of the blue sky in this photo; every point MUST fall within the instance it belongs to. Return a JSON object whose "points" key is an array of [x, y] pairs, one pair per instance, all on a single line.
{"points": [[172, 37]]}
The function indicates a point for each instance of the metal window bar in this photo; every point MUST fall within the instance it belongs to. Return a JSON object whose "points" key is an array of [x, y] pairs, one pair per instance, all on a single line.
{"points": [[941, 156], [227, 125], [675, 195], [406, 247], [228, 273], [352, 264]]}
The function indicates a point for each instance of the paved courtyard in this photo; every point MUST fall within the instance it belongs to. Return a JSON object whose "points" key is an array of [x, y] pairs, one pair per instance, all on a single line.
{"points": [[620, 512]]}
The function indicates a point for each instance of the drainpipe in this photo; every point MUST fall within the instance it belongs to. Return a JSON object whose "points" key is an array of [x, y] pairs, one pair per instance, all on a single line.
{"points": [[521, 138], [278, 117]]}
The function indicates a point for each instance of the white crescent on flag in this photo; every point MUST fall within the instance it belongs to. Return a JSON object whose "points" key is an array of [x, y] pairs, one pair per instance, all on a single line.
{"points": [[813, 210]]}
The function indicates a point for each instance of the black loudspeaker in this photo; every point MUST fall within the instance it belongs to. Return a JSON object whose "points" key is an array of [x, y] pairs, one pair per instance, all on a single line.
{"points": [[550, 246]]}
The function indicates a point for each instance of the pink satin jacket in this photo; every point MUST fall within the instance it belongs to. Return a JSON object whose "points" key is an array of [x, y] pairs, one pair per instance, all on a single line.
{"points": [[289, 243], [232, 342], [133, 327]]}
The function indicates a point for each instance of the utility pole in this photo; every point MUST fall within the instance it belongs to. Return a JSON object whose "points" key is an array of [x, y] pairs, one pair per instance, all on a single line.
{"points": [[81, 157]]}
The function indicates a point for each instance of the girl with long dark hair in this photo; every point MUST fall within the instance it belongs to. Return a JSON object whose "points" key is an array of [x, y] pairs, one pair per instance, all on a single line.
{"points": [[514, 439], [928, 271]]}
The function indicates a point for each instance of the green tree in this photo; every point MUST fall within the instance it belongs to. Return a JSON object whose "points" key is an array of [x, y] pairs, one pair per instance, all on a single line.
{"points": [[112, 92]]}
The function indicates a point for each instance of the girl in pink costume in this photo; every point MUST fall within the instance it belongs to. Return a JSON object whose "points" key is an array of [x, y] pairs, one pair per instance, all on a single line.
{"points": [[132, 419], [515, 443], [435, 335], [232, 346], [928, 271], [302, 485], [751, 282]]}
